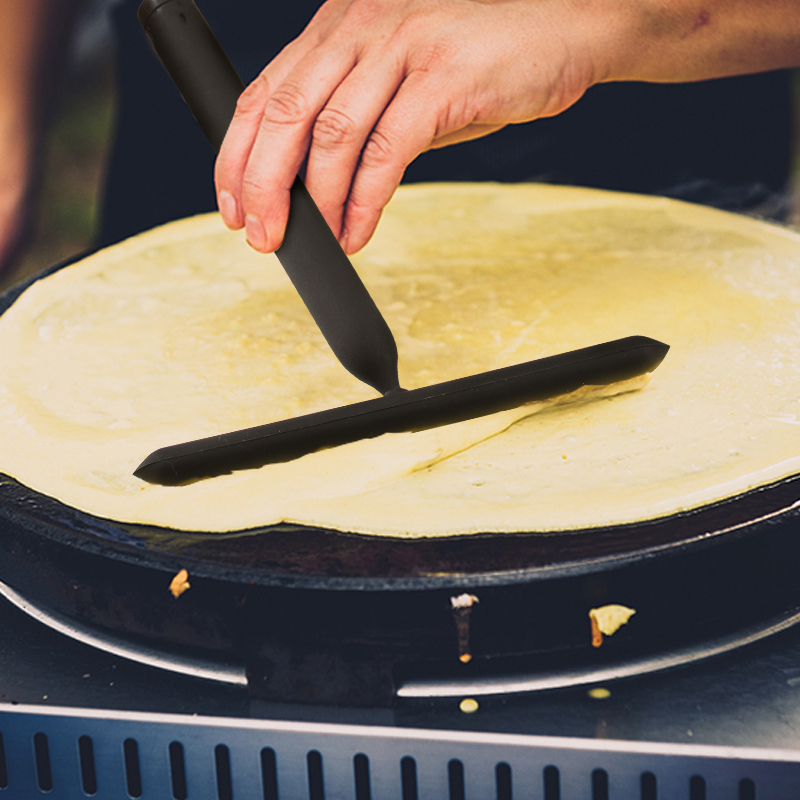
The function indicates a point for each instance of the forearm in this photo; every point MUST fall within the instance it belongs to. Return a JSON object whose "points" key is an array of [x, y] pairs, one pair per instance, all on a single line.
{"points": [[22, 38], [688, 40], [32, 36]]}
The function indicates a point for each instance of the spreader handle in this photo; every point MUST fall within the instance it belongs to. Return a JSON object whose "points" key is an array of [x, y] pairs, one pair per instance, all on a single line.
{"points": [[311, 255]]}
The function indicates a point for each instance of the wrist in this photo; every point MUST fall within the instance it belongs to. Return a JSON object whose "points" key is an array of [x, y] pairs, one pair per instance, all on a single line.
{"points": [[598, 34]]}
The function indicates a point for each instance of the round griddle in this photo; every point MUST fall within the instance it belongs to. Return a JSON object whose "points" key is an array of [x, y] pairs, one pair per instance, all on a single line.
{"points": [[318, 615]]}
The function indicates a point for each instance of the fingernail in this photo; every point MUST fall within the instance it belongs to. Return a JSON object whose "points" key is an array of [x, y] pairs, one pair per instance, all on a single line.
{"points": [[256, 235], [343, 241], [227, 207]]}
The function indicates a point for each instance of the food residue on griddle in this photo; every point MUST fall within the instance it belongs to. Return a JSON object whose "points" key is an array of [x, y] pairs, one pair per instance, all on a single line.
{"points": [[607, 620], [462, 608], [180, 583], [469, 705]]}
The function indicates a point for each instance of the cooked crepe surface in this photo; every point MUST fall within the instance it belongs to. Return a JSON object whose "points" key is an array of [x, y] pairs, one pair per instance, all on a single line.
{"points": [[184, 332]]}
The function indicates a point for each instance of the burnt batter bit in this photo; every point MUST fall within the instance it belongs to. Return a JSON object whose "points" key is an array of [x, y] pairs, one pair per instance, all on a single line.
{"points": [[462, 606]]}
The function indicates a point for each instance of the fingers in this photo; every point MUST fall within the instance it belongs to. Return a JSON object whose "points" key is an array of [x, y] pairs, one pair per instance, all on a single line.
{"points": [[281, 143], [238, 143], [341, 131], [235, 151], [406, 129]]}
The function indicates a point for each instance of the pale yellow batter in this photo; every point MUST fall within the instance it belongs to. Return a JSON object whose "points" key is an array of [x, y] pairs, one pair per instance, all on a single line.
{"points": [[184, 332]]}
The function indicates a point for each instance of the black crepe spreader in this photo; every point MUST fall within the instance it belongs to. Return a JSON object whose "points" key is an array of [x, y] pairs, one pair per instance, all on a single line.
{"points": [[343, 309]]}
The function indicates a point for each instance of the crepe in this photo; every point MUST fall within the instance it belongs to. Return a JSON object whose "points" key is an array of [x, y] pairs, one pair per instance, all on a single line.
{"points": [[184, 332]]}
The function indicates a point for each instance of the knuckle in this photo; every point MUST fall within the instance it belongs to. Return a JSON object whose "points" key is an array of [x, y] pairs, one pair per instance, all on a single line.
{"points": [[378, 151], [228, 164], [358, 211], [255, 188], [420, 28], [287, 106], [251, 99], [432, 57], [455, 116], [366, 11], [333, 129]]}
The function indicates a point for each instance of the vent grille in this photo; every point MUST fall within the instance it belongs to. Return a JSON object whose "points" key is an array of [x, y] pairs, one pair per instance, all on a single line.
{"points": [[63, 754]]}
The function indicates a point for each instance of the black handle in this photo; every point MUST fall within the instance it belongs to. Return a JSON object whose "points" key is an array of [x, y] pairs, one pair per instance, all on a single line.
{"points": [[311, 255]]}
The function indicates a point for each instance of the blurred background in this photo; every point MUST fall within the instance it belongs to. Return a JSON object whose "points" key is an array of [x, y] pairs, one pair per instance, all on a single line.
{"points": [[77, 147], [75, 151]]}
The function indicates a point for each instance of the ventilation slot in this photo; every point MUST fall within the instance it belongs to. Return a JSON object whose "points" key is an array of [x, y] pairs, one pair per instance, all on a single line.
{"points": [[361, 773], [649, 786], [41, 752], [316, 784], [177, 768], [697, 788], [86, 759], [269, 774], [455, 778], [3, 769], [222, 763], [408, 778], [502, 776], [599, 785], [552, 784], [133, 775], [747, 789]]}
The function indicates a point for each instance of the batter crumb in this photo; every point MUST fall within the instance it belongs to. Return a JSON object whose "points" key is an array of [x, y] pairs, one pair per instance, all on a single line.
{"points": [[468, 705], [180, 583], [607, 620]]}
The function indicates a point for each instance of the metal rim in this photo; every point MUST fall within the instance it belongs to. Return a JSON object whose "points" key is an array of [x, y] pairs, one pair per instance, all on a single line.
{"points": [[507, 684], [207, 669]]}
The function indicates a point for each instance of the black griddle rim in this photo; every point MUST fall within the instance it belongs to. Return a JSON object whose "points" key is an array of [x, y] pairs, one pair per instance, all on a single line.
{"points": [[733, 518], [127, 544]]}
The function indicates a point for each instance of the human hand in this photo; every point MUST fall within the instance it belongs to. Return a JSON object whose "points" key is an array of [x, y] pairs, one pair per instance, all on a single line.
{"points": [[370, 84]]}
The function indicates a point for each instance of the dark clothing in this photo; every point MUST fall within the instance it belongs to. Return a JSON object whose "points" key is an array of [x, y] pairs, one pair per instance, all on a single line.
{"points": [[724, 142]]}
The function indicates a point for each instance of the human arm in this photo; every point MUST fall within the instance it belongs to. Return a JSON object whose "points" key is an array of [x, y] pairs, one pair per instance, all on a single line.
{"points": [[370, 84], [31, 40]]}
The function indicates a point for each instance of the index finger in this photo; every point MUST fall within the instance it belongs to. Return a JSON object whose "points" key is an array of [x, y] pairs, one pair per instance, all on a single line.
{"points": [[242, 131], [282, 140]]}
